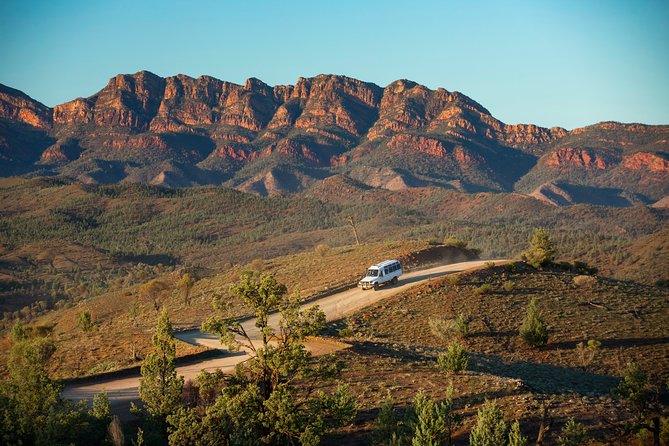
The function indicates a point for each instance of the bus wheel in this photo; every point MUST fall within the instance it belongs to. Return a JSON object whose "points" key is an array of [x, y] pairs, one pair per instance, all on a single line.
{"points": [[376, 287], [394, 281]]}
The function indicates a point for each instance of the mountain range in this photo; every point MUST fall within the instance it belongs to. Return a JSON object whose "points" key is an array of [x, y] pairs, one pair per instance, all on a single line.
{"points": [[181, 131]]}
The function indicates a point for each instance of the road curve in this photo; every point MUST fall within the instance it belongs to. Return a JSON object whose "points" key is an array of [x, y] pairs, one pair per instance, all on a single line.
{"points": [[121, 391]]}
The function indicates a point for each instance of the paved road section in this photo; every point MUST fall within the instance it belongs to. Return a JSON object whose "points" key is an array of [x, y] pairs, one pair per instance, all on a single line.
{"points": [[122, 391]]}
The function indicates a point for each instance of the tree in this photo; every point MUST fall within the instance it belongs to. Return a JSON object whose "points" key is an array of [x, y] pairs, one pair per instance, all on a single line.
{"points": [[434, 423], [85, 320], [534, 330], [516, 438], [262, 403], [184, 285], [454, 360], [541, 250], [160, 387], [572, 434], [151, 291], [490, 429], [31, 409], [642, 401]]}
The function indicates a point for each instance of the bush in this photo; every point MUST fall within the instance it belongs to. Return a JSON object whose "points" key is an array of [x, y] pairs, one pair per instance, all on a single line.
{"points": [[454, 360], [541, 250], [434, 423], [572, 434], [584, 281], [455, 242], [489, 265], [454, 279], [447, 328], [486, 288], [322, 249], [346, 332], [508, 285], [534, 330], [461, 325], [490, 428], [440, 327], [516, 438], [586, 352], [85, 320]]}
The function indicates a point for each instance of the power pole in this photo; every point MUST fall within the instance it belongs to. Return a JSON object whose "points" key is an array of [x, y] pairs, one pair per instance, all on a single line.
{"points": [[355, 230]]}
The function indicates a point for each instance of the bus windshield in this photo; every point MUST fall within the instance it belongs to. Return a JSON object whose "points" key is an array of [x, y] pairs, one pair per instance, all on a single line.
{"points": [[372, 273]]}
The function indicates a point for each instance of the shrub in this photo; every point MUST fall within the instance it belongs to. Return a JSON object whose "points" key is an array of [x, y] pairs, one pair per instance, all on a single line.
{"points": [[455, 242], [389, 430], [489, 265], [346, 332], [454, 279], [584, 281], [486, 288], [511, 267], [516, 438], [572, 434], [508, 285], [257, 264], [461, 325], [440, 327], [434, 423], [490, 428], [19, 332], [534, 330], [322, 249], [85, 320], [541, 250], [586, 352], [454, 360]]}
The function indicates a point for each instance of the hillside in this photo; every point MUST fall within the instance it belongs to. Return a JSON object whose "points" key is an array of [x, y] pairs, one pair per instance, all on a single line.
{"points": [[64, 241], [180, 131], [394, 349]]}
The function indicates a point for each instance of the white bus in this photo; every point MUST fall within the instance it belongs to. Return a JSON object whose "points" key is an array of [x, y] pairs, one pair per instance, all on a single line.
{"points": [[385, 272]]}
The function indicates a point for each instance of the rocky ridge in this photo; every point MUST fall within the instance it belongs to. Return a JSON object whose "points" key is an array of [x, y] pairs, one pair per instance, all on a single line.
{"points": [[282, 139]]}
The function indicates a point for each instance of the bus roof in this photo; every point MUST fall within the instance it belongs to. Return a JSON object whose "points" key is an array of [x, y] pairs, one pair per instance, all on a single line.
{"points": [[384, 263]]}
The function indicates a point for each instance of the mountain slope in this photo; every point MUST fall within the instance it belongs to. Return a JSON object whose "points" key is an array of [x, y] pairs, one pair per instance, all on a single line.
{"points": [[180, 131]]}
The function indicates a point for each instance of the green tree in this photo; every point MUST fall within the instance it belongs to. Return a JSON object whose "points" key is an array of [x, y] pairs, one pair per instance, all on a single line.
{"points": [[185, 284], [434, 423], [642, 401], [541, 250], [454, 360], [389, 429], [533, 329], [160, 387], [516, 438], [490, 428], [85, 320], [262, 403], [572, 434]]}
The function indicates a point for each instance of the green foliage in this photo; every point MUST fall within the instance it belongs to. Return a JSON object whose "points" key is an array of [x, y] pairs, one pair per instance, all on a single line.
{"points": [[454, 279], [448, 328], [461, 325], [264, 404], [434, 422], [19, 332], [455, 242], [486, 288], [490, 428], [508, 285], [516, 438], [85, 320], [489, 265], [454, 360], [390, 430], [185, 284], [31, 409], [572, 434], [542, 250], [635, 391], [101, 409], [160, 387], [534, 330]]}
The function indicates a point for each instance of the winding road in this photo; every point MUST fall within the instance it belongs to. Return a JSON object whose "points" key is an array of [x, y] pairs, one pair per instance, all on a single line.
{"points": [[123, 390]]}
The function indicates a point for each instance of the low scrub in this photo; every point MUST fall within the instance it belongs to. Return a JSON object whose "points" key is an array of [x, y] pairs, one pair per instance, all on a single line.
{"points": [[454, 360], [534, 330], [584, 281], [486, 288]]}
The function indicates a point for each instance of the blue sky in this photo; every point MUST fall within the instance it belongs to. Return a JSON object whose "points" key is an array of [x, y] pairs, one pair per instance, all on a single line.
{"points": [[565, 63]]}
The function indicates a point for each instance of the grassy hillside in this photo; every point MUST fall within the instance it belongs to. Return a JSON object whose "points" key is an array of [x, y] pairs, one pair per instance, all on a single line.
{"points": [[394, 348]]}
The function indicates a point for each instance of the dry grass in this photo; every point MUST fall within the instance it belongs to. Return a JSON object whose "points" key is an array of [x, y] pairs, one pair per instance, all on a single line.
{"points": [[124, 317]]}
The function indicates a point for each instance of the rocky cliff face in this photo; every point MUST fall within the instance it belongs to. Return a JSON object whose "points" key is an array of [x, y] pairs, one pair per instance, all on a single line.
{"points": [[238, 133]]}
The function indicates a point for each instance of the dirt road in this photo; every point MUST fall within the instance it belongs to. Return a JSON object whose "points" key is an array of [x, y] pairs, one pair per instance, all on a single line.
{"points": [[122, 391]]}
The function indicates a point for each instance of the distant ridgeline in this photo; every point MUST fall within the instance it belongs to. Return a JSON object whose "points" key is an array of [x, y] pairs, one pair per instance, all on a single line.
{"points": [[180, 132]]}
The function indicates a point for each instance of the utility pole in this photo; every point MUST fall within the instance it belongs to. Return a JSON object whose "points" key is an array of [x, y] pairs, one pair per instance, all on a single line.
{"points": [[355, 230]]}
